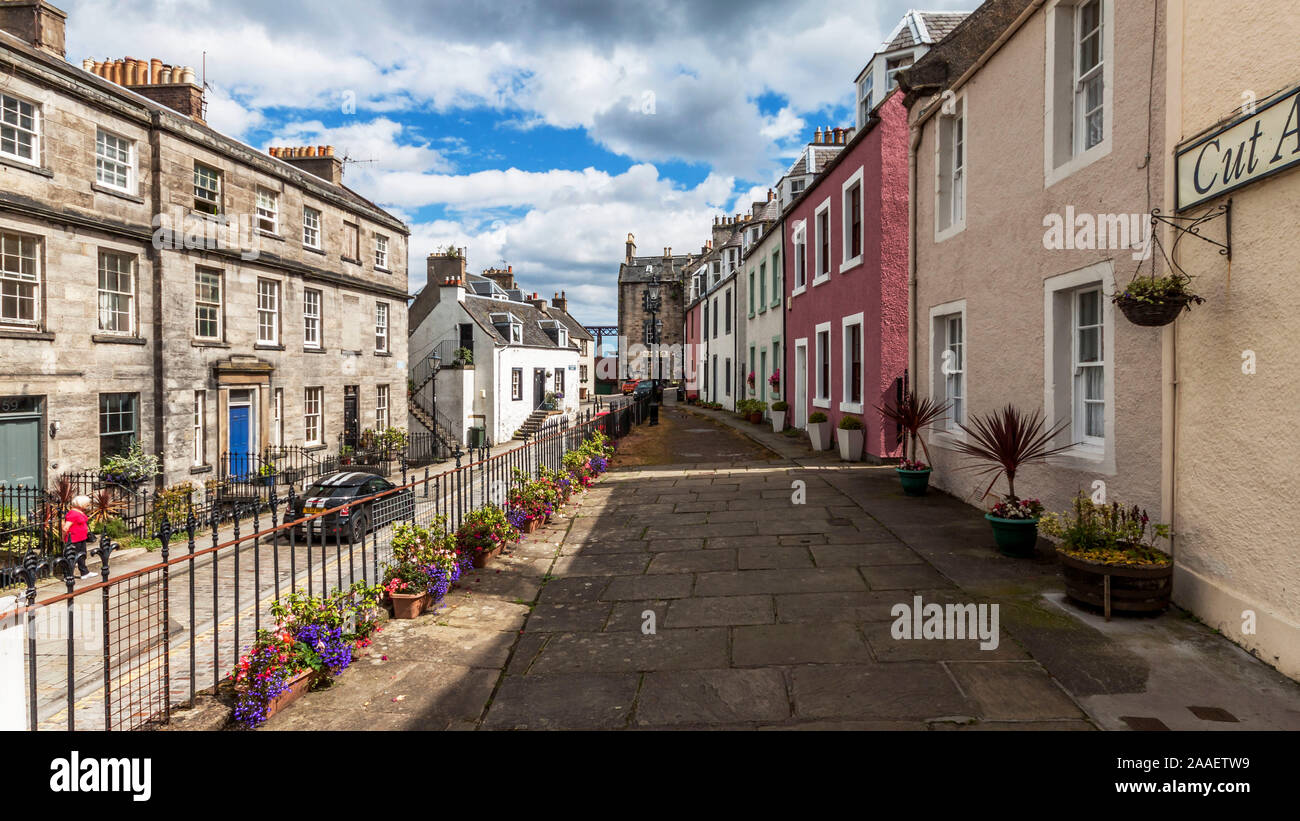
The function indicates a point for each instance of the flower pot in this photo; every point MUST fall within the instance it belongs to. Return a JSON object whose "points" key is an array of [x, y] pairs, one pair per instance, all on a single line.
{"points": [[778, 421], [1150, 314], [1133, 589], [914, 482], [756, 417], [482, 557], [299, 684], [819, 433], [407, 605], [1015, 537], [850, 442], [531, 525]]}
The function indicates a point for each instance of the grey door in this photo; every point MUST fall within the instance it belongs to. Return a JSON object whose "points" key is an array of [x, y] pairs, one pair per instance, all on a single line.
{"points": [[20, 442], [539, 386]]}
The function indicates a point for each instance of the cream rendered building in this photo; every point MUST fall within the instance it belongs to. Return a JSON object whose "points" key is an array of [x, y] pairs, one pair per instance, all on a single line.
{"points": [[1231, 447]]}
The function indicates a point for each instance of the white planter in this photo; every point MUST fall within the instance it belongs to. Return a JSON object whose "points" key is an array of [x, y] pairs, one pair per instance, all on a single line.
{"points": [[820, 434], [851, 445], [778, 420]]}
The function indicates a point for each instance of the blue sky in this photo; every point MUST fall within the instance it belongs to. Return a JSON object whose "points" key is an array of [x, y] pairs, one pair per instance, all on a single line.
{"points": [[536, 133]]}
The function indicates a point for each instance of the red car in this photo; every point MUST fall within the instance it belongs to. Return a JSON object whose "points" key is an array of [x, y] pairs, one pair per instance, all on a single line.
{"points": [[630, 385]]}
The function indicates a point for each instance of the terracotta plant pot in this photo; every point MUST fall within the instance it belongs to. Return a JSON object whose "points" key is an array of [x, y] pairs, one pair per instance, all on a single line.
{"points": [[298, 685], [756, 417], [1140, 589], [482, 558], [531, 525], [407, 605]]}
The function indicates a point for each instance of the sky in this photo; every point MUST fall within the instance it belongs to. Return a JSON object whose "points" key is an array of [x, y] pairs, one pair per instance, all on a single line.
{"points": [[534, 133]]}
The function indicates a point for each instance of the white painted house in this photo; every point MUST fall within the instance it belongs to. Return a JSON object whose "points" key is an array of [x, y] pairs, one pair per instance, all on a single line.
{"points": [[485, 354]]}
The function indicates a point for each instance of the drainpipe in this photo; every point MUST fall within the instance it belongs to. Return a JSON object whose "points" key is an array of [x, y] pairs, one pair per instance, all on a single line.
{"points": [[1169, 337], [911, 256], [156, 262]]}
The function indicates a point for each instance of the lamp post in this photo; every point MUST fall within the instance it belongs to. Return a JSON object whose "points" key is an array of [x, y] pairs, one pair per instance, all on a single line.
{"points": [[653, 302]]}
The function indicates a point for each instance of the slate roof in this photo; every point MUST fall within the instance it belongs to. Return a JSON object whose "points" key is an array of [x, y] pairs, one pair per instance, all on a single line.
{"points": [[576, 330], [480, 310], [922, 28], [947, 61], [822, 155], [636, 271]]}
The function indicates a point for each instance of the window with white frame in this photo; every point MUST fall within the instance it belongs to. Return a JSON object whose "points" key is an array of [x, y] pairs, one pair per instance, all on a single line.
{"points": [[313, 425], [822, 394], [950, 193], [200, 428], [20, 280], [852, 220], [311, 337], [516, 384], [894, 65], [381, 252], [865, 97], [268, 312], [277, 418], [1078, 339], [800, 258], [1080, 80], [381, 327], [20, 129], [268, 210], [751, 293], [114, 161], [311, 227], [1089, 417], [381, 407], [207, 189], [952, 367], [851, 340], [822, 242], [116, 293], [207, 303], [762, 286]]}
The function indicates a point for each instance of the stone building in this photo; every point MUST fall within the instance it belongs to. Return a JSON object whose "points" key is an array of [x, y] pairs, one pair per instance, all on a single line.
{"points": [[634, 320], [165, 284]]}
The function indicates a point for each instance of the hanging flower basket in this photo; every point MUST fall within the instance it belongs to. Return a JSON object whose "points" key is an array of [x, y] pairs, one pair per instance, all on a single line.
{"points": [[1152, 314]]}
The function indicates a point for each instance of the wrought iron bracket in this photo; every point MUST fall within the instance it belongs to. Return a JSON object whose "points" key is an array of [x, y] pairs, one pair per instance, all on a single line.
{"points": [[1191, 226]]}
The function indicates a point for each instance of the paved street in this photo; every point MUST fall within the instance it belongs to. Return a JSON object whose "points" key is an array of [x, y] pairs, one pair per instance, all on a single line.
{"points": [[688, 590]]}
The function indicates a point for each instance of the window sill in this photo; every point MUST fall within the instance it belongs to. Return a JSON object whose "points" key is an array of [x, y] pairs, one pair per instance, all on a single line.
{"points": [[1080, 457], [217, 218], [208, 343], [1076, 163], [116, 192], [314, 448], [822, 279], [263, 346], [801, 289], [821, 403], [262, 232], [26, 166], [379, 270], [849, 264], [350, 260], [383, 353], [312, 250], [312, 350], [12, 333], [851, 407], [201, 469], [113, 339], [949, 232], [948, 439]]}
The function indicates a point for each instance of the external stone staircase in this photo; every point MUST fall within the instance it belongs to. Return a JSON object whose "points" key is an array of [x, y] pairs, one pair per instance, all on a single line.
{"points": [[534, 423]]}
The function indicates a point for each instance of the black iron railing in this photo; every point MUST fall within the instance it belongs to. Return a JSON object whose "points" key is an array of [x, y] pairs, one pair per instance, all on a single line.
{"points": [[122, 652]]}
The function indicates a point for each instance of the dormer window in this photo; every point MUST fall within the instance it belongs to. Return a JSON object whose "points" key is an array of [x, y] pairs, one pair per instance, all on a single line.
{"points": [[508, 326]]}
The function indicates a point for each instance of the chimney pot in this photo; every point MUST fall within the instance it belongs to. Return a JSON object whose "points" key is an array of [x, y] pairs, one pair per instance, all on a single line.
{"points": [[155, 66]]}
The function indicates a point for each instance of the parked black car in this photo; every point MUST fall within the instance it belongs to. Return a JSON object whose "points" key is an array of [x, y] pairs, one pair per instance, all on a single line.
{"points": [[335, 489]]}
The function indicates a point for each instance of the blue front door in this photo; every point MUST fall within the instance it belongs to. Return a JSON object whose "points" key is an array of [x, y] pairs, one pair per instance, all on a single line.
{"points": [[239, 456]]}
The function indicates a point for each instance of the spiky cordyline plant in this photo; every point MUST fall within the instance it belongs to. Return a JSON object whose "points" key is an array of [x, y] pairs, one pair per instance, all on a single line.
{"points": [[1008, 440], [914, 415]]}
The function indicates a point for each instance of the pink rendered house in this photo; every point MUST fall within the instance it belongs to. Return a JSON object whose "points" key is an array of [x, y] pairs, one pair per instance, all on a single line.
{"points": [[846, 282]]}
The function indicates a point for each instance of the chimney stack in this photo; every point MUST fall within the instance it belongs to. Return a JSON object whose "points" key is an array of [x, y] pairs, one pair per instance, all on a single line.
{"points": [[36, 23], [503, 277], [447, 268], [316, 160], [631, 249], [561, 301]]}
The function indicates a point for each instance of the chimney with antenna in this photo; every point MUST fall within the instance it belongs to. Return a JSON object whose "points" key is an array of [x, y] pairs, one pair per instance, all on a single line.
{"points": [[318, 160]]}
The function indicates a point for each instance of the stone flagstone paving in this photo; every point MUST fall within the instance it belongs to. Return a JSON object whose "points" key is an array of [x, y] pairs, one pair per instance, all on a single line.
{"points": [[766, 615]]}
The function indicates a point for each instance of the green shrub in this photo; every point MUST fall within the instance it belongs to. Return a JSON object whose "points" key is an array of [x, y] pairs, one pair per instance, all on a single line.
{"points": [[817, 416], [780, 406], [850, 422]]}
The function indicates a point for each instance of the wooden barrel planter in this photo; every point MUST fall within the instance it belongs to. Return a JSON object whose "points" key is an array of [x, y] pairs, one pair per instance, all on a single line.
{"points": [[1117, 588]]}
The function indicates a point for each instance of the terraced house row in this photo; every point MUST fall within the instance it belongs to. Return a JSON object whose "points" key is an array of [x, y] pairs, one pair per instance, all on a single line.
{"points": [[1008, 173], [162, 283]]}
